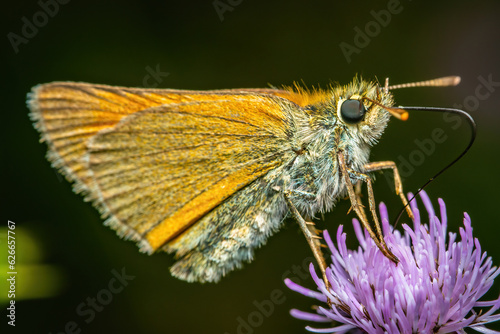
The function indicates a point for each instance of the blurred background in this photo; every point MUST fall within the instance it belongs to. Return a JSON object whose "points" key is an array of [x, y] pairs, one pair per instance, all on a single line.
{"points": [[66, 257]]}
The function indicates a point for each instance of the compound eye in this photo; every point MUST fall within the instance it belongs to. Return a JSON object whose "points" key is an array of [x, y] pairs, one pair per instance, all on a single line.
{"points": [[352, 111]]}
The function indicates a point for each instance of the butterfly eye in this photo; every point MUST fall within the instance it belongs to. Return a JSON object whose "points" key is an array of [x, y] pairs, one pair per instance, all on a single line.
{"points": [[352, 111]]}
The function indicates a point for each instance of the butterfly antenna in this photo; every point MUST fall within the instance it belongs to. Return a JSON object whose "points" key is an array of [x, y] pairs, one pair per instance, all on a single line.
{"points": [[439, 82]]}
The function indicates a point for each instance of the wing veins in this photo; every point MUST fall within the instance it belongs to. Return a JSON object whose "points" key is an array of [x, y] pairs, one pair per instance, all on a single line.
{"points": [[83, 90], [196, 133], [176, 148], [209, 116], [204, 190]]}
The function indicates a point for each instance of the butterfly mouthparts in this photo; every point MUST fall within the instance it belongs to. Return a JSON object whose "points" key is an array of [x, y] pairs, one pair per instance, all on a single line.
{"points": [[399, 113]]}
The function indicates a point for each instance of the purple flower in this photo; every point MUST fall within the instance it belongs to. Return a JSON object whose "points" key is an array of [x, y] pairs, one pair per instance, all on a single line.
{"points": [[433, 289]]}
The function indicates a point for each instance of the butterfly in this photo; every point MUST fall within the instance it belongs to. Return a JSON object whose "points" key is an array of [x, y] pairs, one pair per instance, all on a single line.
{"points": [[210, 175]]}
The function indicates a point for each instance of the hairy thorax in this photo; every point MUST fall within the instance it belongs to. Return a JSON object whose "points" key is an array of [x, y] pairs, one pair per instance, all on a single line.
{"points": [[313, 176]]}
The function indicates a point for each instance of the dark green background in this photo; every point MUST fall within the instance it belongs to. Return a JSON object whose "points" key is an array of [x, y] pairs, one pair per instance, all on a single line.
{"points": [[258, 43]]}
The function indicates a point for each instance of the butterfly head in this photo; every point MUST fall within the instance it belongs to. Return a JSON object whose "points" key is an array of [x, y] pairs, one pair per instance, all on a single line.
{"points": [[363, 109]]}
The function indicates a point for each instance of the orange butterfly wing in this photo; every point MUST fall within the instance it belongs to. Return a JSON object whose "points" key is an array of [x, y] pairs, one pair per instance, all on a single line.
{"points": [[156, 161], [68, 114]]}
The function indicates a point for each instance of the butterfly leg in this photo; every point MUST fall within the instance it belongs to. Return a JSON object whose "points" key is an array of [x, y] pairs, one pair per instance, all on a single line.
{"points": [[347, 173], [380, 165], [310, 233], [357, 190]]}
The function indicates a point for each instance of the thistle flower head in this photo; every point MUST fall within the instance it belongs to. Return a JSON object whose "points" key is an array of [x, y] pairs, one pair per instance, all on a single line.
{"points": [[433, 289]]}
